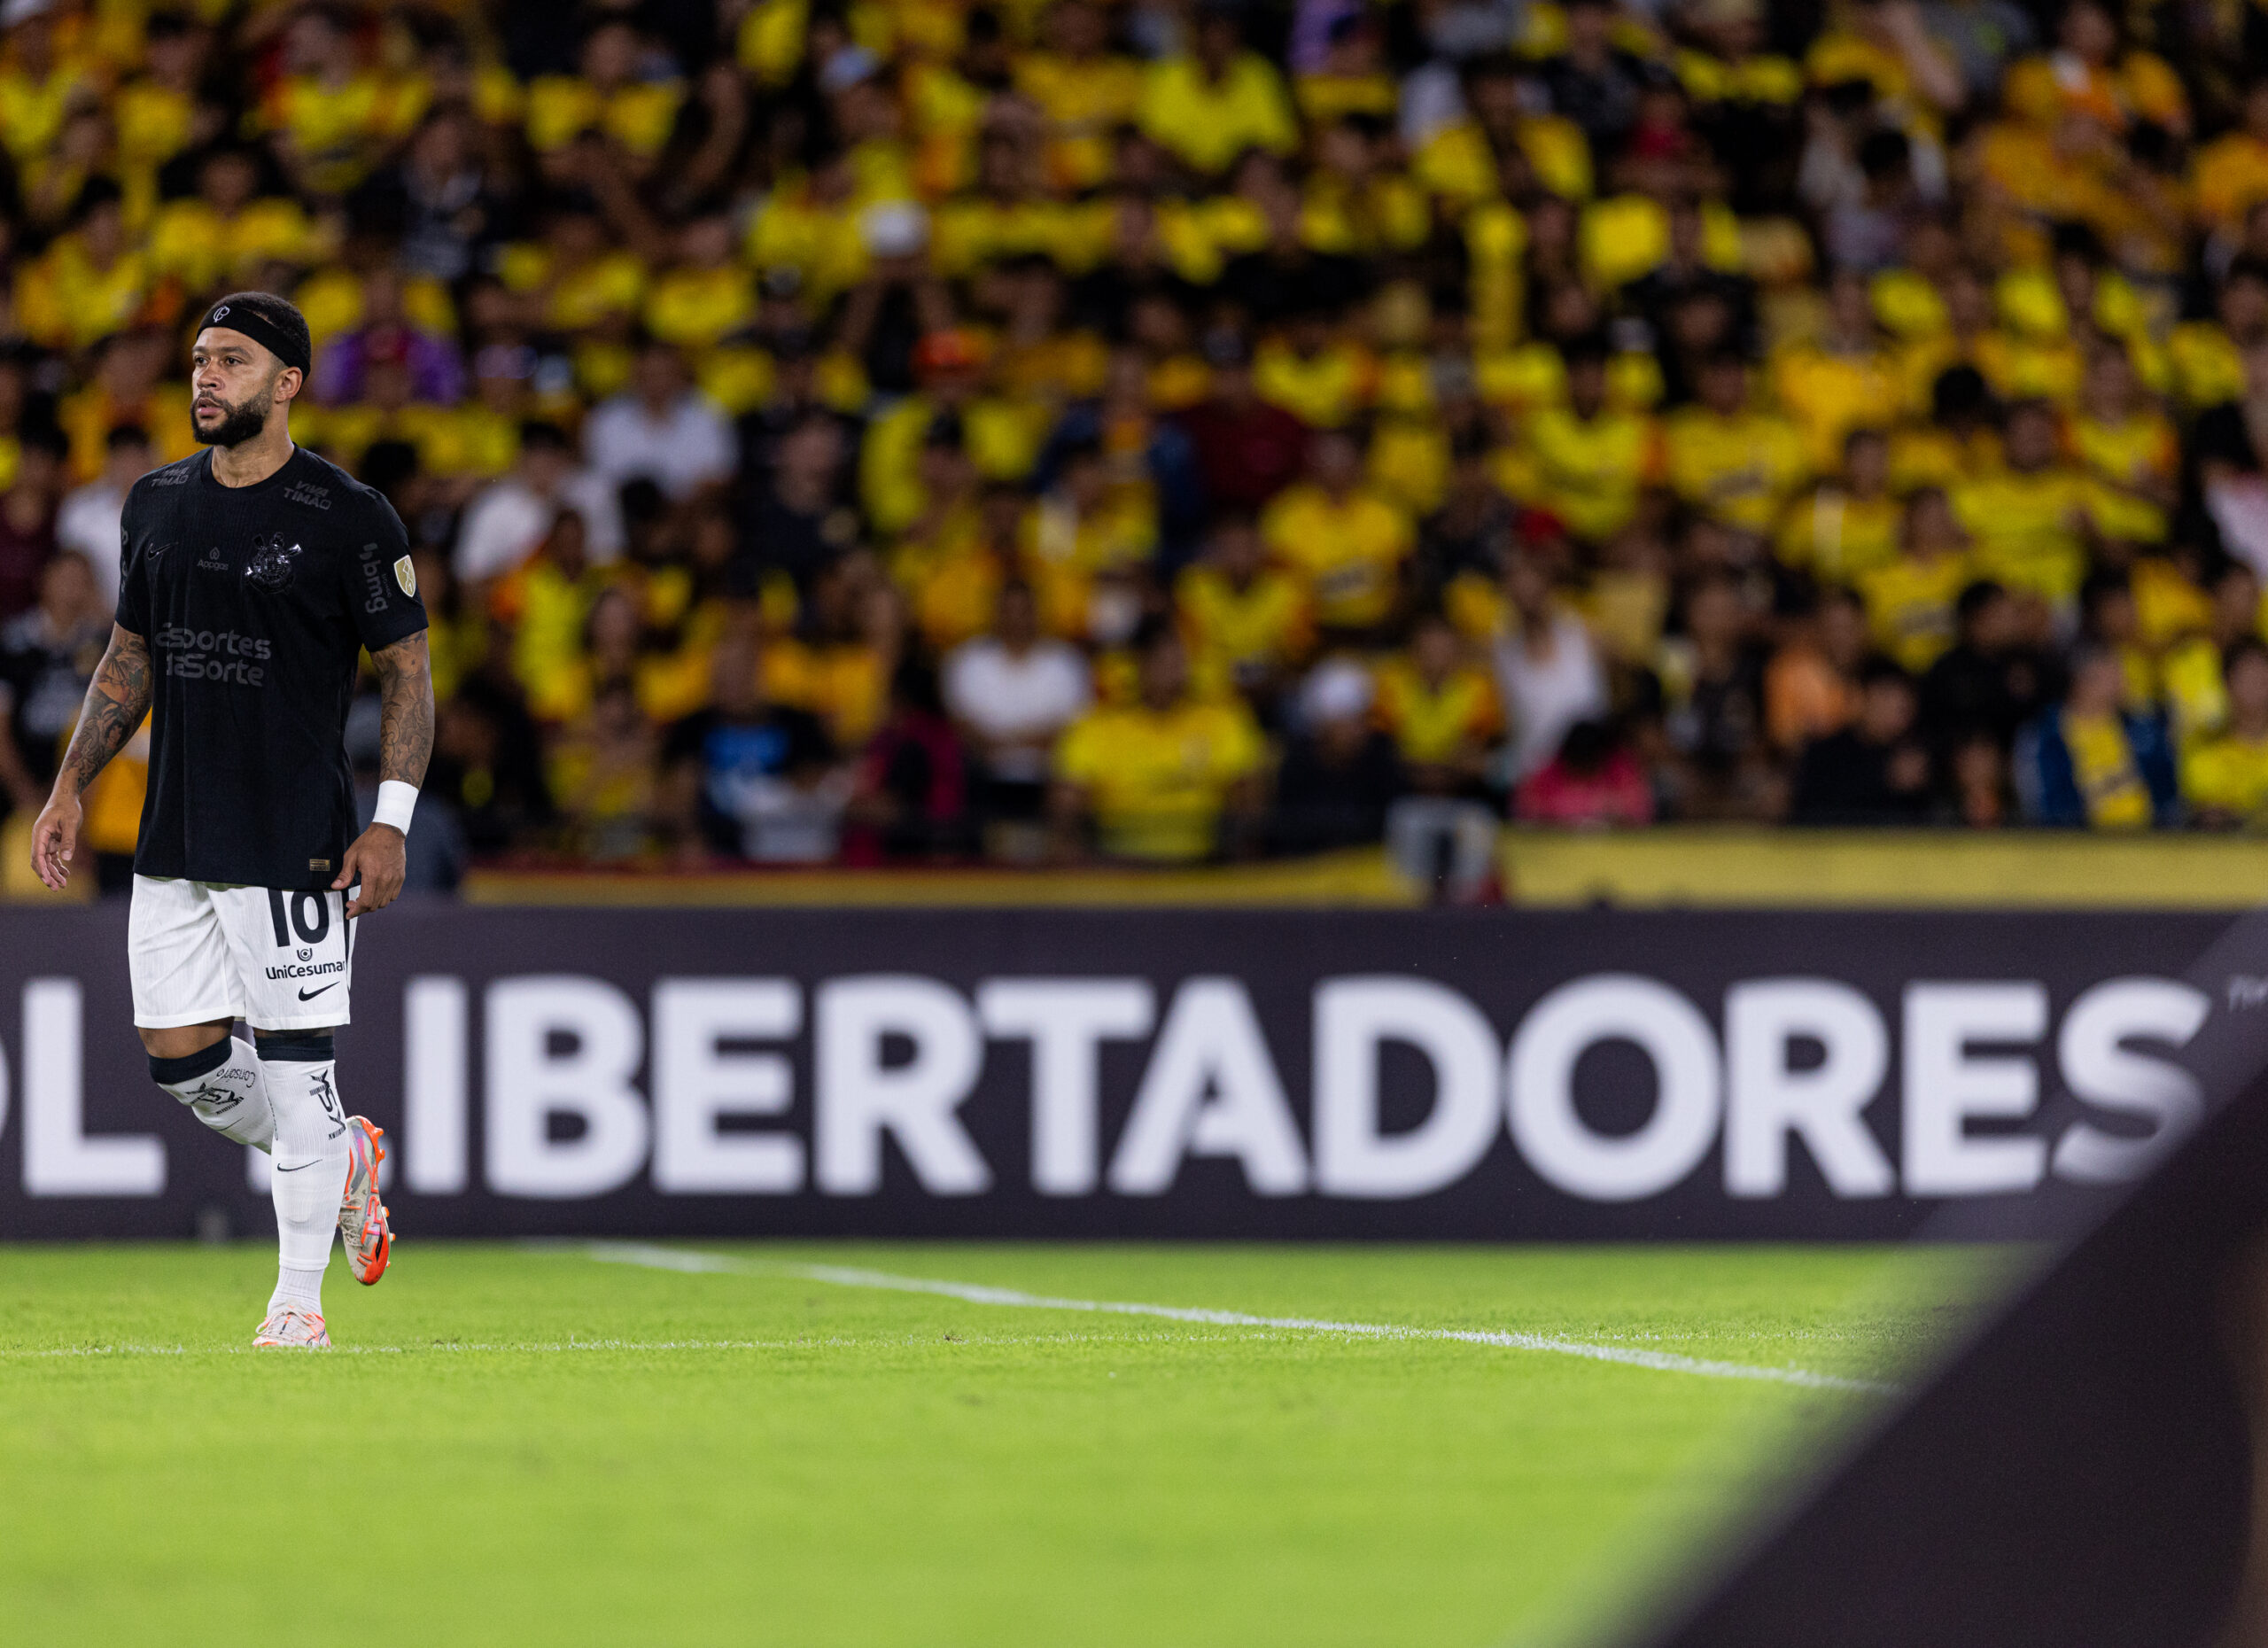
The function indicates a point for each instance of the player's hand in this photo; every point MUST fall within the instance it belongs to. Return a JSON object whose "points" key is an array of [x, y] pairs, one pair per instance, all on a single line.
{"points": [[379, 859], [54, 837]]}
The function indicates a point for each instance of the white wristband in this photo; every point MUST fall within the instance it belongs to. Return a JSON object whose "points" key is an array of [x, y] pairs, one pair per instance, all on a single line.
{"points": [[397, 801]]}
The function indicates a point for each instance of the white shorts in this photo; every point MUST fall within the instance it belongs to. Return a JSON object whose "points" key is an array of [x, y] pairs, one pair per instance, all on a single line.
{"points": [[200, 953]]}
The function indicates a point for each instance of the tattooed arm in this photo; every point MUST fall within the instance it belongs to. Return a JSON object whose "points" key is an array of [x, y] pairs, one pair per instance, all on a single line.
{"points": [[117, 699], [405, 710], [379, 857]]}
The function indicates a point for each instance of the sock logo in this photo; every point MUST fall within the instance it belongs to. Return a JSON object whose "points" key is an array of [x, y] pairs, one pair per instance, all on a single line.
{"points": [[216, 1099], [327, 1096]]}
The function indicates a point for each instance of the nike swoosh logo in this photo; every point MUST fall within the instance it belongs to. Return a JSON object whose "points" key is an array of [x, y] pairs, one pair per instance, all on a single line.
{"points": [[280, 1167], [309, 995]]}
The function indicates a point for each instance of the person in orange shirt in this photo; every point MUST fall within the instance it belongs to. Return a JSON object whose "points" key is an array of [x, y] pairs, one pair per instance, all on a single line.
{"points": [[1811, 686]]}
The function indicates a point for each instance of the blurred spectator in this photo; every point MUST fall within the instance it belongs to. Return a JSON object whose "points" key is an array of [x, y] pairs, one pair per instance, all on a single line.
{"points": [[435, 372], [1166, 779], [1346, 540], [27, 521], [1979, 795], [1440, 709], [1981, 36], [2033, 521], [1470, 534], [90, 522], [799, 520], [507, 520], [47, 657], [1991, 680], [1727, 458], [548, 605], [1593, 83], [1209, 107], [1089, 542], [1874, 771], [1548, 670], [1013, 692], [440, 193], [2192, 670], [1849, 526], [1340, 771], [911, 799], [1247, 450], [1715, 721], [1247, 621], [661, 428], [2092, 764], [1589, 463], [1593, 781], [1812, 686], [761, 778], [1910, 600], [603, 772], [1140, 447], [2224, 774], [123, 389], [488, 763]]}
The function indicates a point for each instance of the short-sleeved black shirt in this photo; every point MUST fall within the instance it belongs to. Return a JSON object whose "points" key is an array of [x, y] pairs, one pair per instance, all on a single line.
{"points": [[256, 603]]}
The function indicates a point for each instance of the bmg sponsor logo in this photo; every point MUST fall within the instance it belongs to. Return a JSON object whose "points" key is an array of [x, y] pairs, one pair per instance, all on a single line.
{"points": [[374, 582], [214, 655]]}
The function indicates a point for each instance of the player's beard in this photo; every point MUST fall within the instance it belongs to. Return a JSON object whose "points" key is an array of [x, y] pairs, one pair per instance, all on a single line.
{"points": [[238, 423]]}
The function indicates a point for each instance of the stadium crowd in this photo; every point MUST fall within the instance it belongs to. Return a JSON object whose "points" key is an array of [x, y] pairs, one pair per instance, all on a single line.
{"points": [[874, 430]]}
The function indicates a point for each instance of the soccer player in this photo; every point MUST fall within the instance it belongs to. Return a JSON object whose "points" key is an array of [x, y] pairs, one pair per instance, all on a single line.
{"points": [[253, 574]]}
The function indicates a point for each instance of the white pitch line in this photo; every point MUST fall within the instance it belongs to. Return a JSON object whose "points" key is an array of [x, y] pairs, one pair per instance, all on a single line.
{"points": [[681, 1259], [73, 1351]]}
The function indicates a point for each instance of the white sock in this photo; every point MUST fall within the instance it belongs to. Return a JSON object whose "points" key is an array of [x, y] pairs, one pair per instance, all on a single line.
{"points": [[224, 1085], [301, 1290], [310, 1176]]}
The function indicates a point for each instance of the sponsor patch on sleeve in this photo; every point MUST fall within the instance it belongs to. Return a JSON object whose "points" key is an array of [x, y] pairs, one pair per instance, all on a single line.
{"points": [[406, 575]]}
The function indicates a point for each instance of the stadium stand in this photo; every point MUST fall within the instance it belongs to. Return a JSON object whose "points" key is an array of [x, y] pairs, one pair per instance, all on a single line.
{"points": [[919, 432]]}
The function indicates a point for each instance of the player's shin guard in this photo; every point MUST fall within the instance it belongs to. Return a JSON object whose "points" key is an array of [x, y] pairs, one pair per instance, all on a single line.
{"points": [[310, 1158], [224, 1085]]}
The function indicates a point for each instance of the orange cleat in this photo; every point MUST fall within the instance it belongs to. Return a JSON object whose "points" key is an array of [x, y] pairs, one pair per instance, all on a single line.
{"points": [[362, 1226]]}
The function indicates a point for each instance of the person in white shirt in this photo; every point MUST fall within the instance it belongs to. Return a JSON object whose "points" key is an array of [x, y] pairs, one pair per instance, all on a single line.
{"points": [[1013, 692], [663, 428], [89, 519], [1548, 668], [507, 520]]}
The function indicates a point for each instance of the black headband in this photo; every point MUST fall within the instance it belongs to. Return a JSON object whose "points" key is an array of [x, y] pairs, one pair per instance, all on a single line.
{"points": [[244, 317]]}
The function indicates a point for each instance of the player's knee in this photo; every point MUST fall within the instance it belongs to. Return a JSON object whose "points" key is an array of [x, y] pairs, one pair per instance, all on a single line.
{"points": [[184, 1041], [175, 1072], [313, 1046]]}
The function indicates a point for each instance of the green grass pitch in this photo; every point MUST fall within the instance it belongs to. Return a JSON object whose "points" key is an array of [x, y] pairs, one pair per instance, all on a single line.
{"points": [[521, 1444]]}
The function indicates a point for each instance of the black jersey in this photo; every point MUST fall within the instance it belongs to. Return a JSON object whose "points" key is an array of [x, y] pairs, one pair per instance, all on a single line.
{"points": [[256, 603]]}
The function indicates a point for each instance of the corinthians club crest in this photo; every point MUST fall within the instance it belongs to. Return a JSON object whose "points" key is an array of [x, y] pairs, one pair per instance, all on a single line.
{"points": [[271, 563]]}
